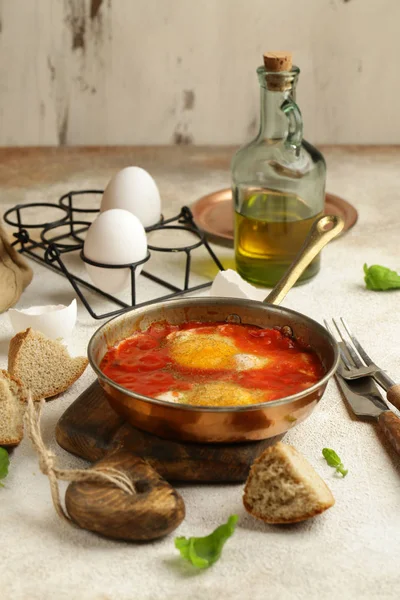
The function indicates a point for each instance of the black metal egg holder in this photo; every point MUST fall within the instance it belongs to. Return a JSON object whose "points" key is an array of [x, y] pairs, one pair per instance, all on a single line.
{"points": [[50, 249]]}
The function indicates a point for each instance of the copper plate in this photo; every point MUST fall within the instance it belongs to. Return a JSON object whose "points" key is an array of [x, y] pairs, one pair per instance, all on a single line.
{"points": [[213, 214]]}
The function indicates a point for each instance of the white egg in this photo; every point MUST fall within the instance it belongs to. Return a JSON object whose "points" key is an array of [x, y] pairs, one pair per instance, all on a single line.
{"points": [[115, 237], [133, 189]]}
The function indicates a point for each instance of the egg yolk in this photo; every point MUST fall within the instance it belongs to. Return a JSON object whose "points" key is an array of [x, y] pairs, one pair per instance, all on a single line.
{"points": [[223, 394], [204, 351]]}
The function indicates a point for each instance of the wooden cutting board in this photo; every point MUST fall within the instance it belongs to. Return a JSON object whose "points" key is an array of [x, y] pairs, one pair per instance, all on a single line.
{"points": [[90, 428]]}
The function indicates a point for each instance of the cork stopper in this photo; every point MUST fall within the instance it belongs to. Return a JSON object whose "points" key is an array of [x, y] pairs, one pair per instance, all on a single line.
{"points": [[277, 61]]}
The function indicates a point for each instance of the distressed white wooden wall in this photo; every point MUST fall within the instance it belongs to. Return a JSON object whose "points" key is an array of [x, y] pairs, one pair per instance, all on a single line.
{"points": [[183, 71]]}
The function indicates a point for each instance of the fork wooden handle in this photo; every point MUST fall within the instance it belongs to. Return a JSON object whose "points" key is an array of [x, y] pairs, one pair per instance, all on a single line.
{"points": [[390, 425], [393, 395]]}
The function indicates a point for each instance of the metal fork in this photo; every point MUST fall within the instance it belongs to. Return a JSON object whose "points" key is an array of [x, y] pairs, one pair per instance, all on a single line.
{"points": [[356, 363]]}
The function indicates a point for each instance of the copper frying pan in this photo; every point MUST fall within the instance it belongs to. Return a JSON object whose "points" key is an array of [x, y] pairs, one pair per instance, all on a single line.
{"points": [[224, 424]]}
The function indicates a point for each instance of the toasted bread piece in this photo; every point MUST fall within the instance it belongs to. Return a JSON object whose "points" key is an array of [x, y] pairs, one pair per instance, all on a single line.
{"points": [[12, 408], [282, 487], [43, 365]]}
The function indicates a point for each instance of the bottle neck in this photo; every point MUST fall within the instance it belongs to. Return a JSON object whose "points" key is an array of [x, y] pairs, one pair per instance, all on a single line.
{"points": [[273, 121], [277, 90]]}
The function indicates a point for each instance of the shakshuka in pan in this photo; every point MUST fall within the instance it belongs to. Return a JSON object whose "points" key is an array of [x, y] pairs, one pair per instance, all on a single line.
{"points": [[212, 364]]}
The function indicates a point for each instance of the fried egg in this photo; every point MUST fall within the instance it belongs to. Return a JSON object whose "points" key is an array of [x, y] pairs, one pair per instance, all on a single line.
{"points": [[223, 394], [202, 350], [210, 351], [216, 394]]}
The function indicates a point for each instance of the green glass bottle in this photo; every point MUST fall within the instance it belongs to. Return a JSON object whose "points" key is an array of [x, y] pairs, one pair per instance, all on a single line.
{"points": [[278, 181]]}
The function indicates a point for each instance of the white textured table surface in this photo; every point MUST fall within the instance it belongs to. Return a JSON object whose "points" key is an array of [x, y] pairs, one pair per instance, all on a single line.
{"points": [[352, 550]]}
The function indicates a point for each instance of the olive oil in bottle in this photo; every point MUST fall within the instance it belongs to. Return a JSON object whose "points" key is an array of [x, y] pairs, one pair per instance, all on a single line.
{"points": [[269, 230], [278, 181]]}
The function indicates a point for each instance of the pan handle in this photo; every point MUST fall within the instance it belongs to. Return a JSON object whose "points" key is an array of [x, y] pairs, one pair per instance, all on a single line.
{"points": [[323, 231]]}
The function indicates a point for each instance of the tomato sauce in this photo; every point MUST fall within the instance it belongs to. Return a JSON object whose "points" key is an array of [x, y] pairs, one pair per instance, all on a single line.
{"points": [[252, 364]]}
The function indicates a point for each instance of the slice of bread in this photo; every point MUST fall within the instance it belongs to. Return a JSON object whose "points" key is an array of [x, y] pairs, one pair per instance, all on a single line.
{"points": [[43, 365], [282, 487], [12, 408]]}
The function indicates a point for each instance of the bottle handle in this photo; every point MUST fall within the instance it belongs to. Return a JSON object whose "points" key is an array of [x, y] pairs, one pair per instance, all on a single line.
{"points": [[295, 133]]}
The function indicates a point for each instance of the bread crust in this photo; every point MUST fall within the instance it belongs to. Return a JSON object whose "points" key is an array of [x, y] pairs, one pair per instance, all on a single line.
{"points": [[16, 344], [283, 521], [14, 441]]}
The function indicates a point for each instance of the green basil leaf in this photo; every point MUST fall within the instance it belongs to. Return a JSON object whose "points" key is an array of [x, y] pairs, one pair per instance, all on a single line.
{"points": [[380, 278], [334, 461], [203, 552], [4, 462]]}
